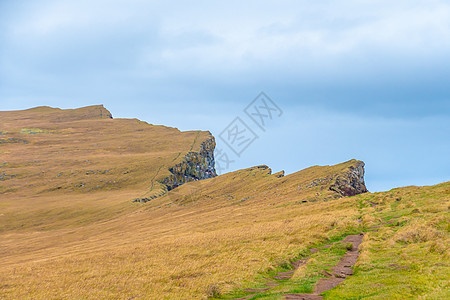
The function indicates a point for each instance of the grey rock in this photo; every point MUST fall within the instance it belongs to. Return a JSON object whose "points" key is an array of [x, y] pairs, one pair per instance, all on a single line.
{"points": [[195, 166], [351, 182]]}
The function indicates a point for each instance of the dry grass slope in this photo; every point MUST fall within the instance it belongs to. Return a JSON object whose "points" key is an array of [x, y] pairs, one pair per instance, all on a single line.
{"points": [[206, 239], [78, 166]]}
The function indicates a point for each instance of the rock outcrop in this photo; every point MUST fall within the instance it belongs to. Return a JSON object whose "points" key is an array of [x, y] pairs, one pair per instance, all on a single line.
{"points": [[279, 174], [350, 182], [261, 167], [195, 166]]}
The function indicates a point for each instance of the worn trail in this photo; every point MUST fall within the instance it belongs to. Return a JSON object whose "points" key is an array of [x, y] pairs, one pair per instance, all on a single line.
{"points": [[273, 282], [341, 271]]}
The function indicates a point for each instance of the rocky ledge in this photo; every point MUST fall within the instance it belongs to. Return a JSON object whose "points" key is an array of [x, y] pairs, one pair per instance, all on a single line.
{"points": [[195, 166], [350, 182]]}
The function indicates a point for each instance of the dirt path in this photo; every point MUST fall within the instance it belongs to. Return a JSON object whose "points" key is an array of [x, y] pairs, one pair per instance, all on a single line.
{"points": [[341, 271], [272, 282]]}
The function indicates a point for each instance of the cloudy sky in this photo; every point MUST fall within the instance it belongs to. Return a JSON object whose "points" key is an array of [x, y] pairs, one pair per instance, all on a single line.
{"points": [[354, 79]]}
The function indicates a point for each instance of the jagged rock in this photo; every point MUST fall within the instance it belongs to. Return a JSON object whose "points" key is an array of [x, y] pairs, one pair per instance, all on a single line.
{"points": [[261, 167], [140, 200], [195, 166], [350, 182], [144, 200], [279, 174]]}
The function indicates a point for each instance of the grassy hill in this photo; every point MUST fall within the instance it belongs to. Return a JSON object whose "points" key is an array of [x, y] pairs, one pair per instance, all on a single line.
{"points": [[222, 238], [76, 166]]}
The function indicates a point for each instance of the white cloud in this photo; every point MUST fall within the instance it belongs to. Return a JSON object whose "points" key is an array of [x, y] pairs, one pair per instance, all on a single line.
{"points": [[252, 31], [301, 31]]}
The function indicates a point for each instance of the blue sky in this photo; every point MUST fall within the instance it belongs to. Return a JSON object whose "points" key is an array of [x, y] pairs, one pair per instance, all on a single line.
{"points": [[355, 79]]}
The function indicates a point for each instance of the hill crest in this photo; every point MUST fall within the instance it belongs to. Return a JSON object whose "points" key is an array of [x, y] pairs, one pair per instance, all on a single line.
{"points": [[86, 150], [56, 115]]}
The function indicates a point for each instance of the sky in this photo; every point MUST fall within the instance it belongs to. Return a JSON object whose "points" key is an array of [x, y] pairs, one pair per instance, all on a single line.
{"points": [[344, 79]]}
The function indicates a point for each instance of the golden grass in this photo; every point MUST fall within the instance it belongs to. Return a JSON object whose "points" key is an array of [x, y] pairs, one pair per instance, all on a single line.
{"points": [[175, 248], [73, 174], [169, 253], [205, 238]]}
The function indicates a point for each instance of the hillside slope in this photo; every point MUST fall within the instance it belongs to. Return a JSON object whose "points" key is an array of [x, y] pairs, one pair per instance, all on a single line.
{"points": [[59, 166], [219, 238]]}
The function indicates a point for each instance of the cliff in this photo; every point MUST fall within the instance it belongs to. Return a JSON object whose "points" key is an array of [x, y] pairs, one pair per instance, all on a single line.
{"points": [[195, 166], [351, 181]]}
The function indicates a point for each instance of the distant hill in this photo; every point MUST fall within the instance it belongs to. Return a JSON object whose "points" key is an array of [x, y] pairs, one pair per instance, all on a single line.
{"points": [[83, 150]]}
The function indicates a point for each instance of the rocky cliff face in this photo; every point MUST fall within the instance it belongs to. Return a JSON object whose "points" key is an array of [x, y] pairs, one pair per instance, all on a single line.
{"points": [[350, 182], [195, 166]]}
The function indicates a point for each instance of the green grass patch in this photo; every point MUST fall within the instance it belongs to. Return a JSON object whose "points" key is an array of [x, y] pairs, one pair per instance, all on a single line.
{"points": [[303, 280], [407, 258]]}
